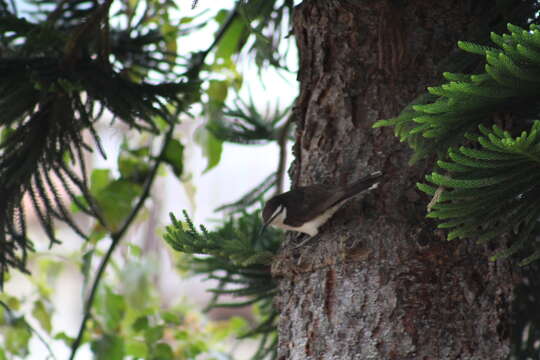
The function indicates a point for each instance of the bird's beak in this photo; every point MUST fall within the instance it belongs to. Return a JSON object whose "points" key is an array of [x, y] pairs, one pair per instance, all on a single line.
{"points": [[265, 225]]}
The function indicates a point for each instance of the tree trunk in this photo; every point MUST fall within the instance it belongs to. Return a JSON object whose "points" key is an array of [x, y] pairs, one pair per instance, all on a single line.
{"points": [[380, 282]]}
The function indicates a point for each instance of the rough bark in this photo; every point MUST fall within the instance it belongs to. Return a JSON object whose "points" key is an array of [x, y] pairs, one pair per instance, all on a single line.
{"points": [[380, 282]]}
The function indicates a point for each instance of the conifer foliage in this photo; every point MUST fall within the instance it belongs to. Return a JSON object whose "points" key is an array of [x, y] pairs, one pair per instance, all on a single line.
{"points": [[65, 64], [484, 129], [57, 80], [238, 257]]}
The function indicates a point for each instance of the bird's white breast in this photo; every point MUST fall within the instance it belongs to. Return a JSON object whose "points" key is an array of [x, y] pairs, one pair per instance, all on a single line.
{"points": [[311, 227]]}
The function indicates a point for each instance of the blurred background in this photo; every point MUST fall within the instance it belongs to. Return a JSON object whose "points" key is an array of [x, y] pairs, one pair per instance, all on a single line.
{"points": [[144, 270]]}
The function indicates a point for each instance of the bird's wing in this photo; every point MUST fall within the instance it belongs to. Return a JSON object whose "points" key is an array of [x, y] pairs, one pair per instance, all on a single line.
{"points": [[322, 198], [306, 207]]}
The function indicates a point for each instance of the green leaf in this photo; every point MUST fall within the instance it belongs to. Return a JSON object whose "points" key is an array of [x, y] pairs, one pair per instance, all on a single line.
{"points": [[212, 148], [98, 233], [162, 351], [68, 340], [136, 348], [111, 308], [217, 91], [16, 337], [86, 263], [153, 334], [133, 168], [140, 324], [74, 208], [42, 315], [115, 201], [115, 307], [229, 43], [99, 179], [195, 348], [11, 301], [135, 250], [139, 152], [172, 318], [108, 347], [174, 156], [224, 329]]}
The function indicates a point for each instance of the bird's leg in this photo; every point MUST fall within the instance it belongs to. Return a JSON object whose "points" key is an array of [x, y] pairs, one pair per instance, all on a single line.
{"points": [[305, 241]]}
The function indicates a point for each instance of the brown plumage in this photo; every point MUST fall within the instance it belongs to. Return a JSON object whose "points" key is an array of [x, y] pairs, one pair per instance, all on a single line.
{"points": [[306, 208]]}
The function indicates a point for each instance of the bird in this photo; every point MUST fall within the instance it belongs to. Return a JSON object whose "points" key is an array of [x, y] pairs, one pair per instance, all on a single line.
{"points": [[306, 208]]}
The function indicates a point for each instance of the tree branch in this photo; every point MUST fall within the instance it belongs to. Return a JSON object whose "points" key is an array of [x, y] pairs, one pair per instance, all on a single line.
{"points": [[116, 237], [14, 7], [196, 67], [282, 142]]}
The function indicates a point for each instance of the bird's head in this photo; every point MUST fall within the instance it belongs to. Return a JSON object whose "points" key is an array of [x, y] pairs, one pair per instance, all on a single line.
{"points": [[274, 212]]}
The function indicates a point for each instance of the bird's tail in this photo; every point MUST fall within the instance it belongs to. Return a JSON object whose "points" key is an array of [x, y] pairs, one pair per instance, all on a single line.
{"points": [[366, 183]]}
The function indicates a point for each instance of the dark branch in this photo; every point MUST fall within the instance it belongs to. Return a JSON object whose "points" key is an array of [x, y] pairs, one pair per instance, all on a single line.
{"points": [[196, 67], [282, 142], [116, 237]]}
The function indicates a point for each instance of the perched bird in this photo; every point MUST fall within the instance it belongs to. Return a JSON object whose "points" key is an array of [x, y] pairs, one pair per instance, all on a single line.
{"points": [[307, 208]]}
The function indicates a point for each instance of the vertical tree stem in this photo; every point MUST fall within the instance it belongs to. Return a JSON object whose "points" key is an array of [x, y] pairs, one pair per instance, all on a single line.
{"points": [[116, 237]]}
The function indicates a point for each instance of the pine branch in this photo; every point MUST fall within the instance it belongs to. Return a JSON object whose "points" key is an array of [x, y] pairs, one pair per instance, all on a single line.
{"points": [[47, 100], [251, 197], [509, 85], [244, 124], [238, 258], [492, 191], [488, 186]]}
